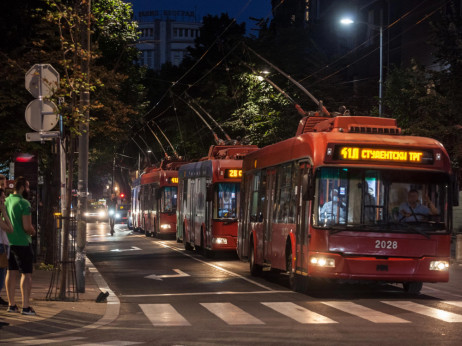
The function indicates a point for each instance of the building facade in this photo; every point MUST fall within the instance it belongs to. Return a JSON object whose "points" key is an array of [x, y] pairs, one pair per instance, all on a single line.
{"points": [[165, 36]]}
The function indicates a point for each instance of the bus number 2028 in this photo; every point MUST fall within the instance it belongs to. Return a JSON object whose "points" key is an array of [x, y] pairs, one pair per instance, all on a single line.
{"points": [[386, 244]]}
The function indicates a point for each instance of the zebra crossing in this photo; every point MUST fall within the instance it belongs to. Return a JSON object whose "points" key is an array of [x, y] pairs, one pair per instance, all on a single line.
{"points": [[163, 315]]}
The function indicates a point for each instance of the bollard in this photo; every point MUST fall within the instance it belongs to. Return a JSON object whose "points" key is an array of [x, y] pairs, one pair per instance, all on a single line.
{"points": [[459, 248]]}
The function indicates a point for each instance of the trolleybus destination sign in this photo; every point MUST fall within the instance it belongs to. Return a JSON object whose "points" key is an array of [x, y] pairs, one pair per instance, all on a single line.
{"points": [[233, 173], [353, 153]]}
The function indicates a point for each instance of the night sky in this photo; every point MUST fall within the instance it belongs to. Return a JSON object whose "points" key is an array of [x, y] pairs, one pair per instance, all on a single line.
{"points": [[239, 9]]}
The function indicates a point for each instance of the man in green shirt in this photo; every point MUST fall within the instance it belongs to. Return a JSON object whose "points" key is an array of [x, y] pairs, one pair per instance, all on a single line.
{"points": [[21, 255]]}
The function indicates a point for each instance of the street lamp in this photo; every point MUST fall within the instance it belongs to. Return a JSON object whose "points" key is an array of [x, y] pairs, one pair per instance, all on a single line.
{"points": [[349, 21]]}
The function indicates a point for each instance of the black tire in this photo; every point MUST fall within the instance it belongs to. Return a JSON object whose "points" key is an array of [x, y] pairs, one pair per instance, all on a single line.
{"points": [[255, 269], [187, 246], [290, 272], [413, 287]]}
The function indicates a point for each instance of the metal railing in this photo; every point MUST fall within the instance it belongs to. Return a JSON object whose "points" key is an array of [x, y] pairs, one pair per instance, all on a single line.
{"points": [[63, 278]]}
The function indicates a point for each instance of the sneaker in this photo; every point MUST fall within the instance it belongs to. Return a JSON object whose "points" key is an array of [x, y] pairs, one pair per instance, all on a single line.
{"points": [[28, 311], [3, 302], [13, 308]]}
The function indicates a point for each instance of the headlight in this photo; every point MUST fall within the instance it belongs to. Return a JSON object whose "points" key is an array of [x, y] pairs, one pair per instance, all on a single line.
{"points": [[111, 212], [323, 262], [439, 265], [101, 213], [165, 226], [220, 241], [117, 215], [86, 214]]}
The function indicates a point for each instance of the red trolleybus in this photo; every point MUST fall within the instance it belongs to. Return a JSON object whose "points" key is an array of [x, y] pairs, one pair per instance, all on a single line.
{"points": [[335, 202], [208, 201], [158, 199]]}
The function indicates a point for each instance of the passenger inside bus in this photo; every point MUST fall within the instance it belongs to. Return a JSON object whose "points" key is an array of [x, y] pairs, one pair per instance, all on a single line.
{"points": [[330, 209], [413, 210]]}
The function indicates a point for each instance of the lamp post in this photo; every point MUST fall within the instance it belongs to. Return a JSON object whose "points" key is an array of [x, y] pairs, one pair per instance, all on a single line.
{"points": [[349, 21]]}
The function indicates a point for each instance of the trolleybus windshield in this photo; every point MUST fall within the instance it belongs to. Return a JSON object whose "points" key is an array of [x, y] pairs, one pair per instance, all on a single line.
{"points": [[169, 199], [381, 200], [226, 200]]}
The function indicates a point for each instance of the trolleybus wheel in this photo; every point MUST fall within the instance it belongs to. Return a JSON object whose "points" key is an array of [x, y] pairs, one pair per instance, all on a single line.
{"points": [[412, 287], [255, 269]]}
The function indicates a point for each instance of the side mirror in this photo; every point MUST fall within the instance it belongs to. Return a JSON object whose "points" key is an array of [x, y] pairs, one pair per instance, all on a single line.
{"points": [[209, 193], [307, 186]]}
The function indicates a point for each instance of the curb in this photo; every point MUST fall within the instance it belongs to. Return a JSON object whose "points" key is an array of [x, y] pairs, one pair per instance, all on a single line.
{"points": [[111, 313]]}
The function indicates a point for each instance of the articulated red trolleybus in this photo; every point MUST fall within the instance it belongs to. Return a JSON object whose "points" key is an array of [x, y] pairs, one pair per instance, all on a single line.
{"points": [[208, 202], [335, 202], [154, 200]]}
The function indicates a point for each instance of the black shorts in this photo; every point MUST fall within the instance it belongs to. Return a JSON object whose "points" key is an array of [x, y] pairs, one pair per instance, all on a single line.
{"points": [[21, 258]]}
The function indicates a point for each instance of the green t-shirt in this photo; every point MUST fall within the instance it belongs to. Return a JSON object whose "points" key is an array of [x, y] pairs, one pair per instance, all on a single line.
{"points": [[16, 207]]}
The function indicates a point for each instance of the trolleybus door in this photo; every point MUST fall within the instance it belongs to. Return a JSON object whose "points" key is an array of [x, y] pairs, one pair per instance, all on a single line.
{"points": [[268, 218], [192, 209], [303, 219]]}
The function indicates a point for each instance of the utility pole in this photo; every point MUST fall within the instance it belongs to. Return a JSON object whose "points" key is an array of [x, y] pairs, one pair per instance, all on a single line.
{"points": [[82, 186]]}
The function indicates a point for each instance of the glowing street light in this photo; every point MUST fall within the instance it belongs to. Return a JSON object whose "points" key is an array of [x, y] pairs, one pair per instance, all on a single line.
{"points": [[349, 21]]}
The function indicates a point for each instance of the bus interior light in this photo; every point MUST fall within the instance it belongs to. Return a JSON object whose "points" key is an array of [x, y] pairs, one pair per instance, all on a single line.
{"points": [[222, 241], [323, 262], [439, 265], [165, 226]]}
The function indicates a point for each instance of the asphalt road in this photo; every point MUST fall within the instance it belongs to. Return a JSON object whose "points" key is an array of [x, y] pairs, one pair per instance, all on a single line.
{"points": [[170, 296]]}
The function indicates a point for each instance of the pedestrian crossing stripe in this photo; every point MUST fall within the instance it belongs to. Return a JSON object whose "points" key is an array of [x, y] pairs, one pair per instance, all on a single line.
{"points": [[163, 315], [427, 311], [365, 312], [298, 313], [231, 314]]}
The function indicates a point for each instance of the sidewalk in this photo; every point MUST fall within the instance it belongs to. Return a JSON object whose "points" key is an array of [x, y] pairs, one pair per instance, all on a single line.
{"points": [[52, 316]]}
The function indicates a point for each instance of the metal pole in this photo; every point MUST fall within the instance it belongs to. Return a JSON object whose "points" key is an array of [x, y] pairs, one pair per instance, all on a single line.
{"points": [[381, 65], [82, 185]]}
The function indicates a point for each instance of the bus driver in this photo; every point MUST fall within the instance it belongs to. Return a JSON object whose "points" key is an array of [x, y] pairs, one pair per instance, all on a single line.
{"points": [[413, 211]]}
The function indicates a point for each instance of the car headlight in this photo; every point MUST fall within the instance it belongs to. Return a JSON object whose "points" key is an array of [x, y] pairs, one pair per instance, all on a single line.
{"points": [[86, 214], [222, 241], [439, 265], [322, 261], [111, 212], [165, 226], [102, 213], [117, 215]]}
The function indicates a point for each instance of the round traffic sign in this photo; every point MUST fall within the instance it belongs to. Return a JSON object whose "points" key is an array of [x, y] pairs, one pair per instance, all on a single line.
{"points": [[42, 80], [41, 115]]}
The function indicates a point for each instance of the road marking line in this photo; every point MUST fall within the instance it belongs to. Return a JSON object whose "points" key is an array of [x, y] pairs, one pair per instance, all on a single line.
{"points": [[457, 303], [50, 341], [365, 312], [198, 294], [298, 313], [215, 266], [426, 311], [231, 314], [440, 293], [163, 315]]}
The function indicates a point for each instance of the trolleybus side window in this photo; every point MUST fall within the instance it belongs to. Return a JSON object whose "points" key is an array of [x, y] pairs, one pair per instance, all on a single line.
{"points": [[255, 188], [258, 193]]}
